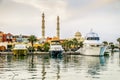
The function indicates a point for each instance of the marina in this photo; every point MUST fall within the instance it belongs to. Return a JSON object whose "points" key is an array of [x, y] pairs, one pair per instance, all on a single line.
{"points": [[59, 40]]}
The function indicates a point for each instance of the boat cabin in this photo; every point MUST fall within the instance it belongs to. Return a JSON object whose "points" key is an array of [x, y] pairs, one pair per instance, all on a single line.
{"points": [[55, 42]]}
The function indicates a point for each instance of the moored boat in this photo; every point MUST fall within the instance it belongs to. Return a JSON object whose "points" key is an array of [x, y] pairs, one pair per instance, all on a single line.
{"points": [[55, 48], [20, 49], [92, 45]]}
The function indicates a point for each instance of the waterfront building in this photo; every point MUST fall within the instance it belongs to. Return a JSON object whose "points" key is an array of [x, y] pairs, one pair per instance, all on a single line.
{"points": [[48, 39], [1, 36], [5, 37], [9, 37], [21, 38]]}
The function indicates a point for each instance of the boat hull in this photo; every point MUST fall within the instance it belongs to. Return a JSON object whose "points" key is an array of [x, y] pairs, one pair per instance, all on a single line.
{"points": [[93, 51], [20, 51], [55, 54]]}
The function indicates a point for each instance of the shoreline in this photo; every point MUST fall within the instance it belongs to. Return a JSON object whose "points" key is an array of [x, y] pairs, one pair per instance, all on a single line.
{"points": [[41, 53], [47, 53]]}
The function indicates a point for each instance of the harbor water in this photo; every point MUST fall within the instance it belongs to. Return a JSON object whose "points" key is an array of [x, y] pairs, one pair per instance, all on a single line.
{"points": [[69, 67]]}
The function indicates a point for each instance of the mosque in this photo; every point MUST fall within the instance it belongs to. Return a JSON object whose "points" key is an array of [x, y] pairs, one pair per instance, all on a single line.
{"points": [[43, 39], [77, 35]]}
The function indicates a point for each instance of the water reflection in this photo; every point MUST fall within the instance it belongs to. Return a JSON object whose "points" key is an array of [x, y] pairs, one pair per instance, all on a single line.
{"points": [[119, 57], [43, 71], [43, 67], [45, 61], [58, 72], [32, 65], [102, 60], [95, 66]]}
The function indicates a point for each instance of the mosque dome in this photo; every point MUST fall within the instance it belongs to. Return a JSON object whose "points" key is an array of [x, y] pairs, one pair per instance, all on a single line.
{"points": [[77, 34]]}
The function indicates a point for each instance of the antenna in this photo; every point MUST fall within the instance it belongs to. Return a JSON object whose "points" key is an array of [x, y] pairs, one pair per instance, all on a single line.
{"points": [[91, 30]]}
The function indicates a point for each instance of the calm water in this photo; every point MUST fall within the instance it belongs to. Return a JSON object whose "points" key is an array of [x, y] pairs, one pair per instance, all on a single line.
{"points": [[71, 67]]}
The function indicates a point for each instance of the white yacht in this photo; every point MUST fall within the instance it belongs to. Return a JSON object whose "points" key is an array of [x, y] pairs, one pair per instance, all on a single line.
{"points": [[92, 45], [55, 48]]}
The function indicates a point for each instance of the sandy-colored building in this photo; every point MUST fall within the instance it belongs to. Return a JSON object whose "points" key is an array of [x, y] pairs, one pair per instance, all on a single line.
{"points": [[1, 36], [79, 37]]}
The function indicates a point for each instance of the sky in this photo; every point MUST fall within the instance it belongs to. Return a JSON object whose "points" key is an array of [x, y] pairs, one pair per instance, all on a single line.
{"points": [[25, 16]]}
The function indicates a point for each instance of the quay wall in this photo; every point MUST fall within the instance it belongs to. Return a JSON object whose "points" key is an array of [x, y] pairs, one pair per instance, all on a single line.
{"points": [[41, 53]]}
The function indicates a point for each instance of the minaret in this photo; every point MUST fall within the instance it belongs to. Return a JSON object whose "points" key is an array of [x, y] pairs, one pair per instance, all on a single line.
{"points": [[58, 27], [43, 26]]}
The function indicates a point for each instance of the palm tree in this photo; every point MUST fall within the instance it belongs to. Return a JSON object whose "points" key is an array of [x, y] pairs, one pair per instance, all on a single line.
{"points": [[75, 42], [119, 42], [32, 39], [67, 44], [64, 44], [80, 44], [46, 47], [105, 43], [112, 46]]}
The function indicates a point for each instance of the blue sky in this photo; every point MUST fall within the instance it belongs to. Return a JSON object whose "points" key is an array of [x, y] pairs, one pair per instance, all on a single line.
{"points": [[24, 17]]}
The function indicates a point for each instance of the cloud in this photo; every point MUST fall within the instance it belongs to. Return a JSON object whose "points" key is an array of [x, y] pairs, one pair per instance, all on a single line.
{"points": [[49, 7], [78, 15], [86, 7]]}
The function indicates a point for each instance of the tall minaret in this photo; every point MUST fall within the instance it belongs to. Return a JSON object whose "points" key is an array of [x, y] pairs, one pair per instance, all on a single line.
{"points": [[58, 27], [43, 26]]}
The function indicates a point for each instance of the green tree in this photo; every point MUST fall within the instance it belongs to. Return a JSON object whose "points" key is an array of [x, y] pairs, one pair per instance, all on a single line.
{"points": [[46, 46], [72, 44], [67, 44], [75, 42], [112, 46], [32, 39], [80, 44], [105, 43], [119, 42], [110, 43]]}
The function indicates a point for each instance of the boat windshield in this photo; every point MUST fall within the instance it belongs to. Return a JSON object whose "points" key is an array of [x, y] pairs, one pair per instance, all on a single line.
{"points": [[20, 46], [93, 38], [55, 43]]}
